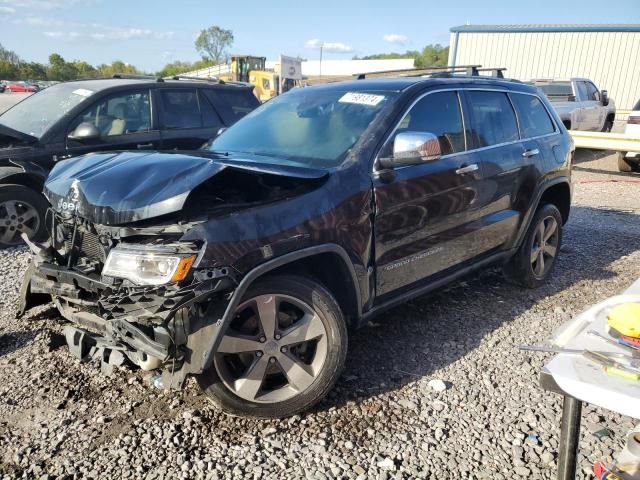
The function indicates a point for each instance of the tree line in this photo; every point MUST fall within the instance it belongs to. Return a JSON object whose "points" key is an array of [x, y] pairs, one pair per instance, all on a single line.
{"points": [[430, 56], [212, 44]]}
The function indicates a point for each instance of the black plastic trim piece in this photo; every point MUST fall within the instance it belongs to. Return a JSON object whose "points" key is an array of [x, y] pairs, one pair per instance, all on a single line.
{"points": [[264, 268]]}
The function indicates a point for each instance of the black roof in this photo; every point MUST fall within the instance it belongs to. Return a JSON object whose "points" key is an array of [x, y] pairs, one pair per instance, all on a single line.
{"points": [[399, 84], [97, 84]]}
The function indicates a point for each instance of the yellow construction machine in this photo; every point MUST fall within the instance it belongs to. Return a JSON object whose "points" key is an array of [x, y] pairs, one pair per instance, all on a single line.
{"points": [[250, 69]]}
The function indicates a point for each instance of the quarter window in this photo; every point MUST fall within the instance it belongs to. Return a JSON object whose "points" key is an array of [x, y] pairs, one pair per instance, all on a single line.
{"points": [[118, 114], [494, 121], [533, 117], [180, 109], [437, 113]]}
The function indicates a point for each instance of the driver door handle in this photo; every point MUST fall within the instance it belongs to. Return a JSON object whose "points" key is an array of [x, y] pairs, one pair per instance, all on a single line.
{"points": [[530, 153], [145, 146], [467, 169]]}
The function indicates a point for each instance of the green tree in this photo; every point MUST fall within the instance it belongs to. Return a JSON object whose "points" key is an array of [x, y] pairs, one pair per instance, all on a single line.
{"points": [[59, 69], [213, 42], [430, 56], [31, 71]]}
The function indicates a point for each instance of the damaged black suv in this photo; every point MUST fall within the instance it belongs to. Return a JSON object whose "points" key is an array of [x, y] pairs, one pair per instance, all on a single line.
{"points": [[246, 265]]}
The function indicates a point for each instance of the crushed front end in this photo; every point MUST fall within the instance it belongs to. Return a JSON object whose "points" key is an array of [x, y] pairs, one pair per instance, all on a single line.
{"points": [[131, 293]]}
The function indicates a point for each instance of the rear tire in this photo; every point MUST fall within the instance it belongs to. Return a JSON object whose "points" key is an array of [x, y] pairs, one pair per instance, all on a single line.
{"points": [[22, 209], [625, 165], [260, 373], [535, 260]]}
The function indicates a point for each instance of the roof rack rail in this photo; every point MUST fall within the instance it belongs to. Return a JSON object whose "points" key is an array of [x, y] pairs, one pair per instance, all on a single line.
{"points": [[209, 79], [130, 76], [419, 72], [438, 72]]}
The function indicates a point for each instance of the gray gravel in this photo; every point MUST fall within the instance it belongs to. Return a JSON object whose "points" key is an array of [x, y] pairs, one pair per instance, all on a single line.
{"points": [[436, 386]]}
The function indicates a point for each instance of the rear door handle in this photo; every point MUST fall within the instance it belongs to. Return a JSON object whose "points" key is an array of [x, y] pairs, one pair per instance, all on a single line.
{"points": [[144, 146], [530, 153], [467, 169]]}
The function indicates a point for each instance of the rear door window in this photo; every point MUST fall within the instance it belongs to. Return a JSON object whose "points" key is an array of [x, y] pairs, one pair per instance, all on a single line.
{"points": [[438, 113], [210, 117], [180, 108], [533, 117], [232, 105], [494, 120]]}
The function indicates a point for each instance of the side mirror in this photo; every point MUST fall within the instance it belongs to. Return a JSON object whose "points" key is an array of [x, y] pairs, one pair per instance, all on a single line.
{"points": [[571, 98], [604, 98], [84, 131], [411, 148]]}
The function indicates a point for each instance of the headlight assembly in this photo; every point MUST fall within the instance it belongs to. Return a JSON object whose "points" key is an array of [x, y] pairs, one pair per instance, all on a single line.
{"points": [[147, 267]]}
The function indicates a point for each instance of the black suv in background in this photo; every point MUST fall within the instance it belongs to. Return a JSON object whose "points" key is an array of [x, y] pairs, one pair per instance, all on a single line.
{"points": [[245, 265], [121, 113]]}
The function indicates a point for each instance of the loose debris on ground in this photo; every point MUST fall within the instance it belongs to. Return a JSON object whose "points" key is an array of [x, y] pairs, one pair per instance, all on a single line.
{"points": [[436, 386]]}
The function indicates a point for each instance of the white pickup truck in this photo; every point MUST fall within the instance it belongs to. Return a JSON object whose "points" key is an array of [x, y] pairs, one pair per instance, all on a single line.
{"points": [[579, 103]]}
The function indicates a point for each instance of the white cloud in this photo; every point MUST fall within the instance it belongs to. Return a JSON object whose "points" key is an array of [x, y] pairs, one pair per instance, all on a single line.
{"points": [[334, 47], [396, 38], [7, 10], [94, 31]]}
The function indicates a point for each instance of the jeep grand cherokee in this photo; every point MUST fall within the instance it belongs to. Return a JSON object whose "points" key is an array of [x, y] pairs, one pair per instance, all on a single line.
{"points": [[246, 265]]}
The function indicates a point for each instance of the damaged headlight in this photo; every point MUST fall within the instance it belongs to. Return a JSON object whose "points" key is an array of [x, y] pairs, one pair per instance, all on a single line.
{"points": [[147, 267]]}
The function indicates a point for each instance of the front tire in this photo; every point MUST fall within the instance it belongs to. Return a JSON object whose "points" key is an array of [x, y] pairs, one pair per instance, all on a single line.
{"points": [[283, 351], [535, 260], [22, 210]]}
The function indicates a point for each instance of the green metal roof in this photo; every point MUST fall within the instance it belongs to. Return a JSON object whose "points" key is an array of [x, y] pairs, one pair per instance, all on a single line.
{"points": [[604, 27]]}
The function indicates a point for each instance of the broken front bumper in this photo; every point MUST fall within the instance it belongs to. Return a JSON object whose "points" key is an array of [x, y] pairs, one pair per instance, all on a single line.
{"points": [[177, 327]]}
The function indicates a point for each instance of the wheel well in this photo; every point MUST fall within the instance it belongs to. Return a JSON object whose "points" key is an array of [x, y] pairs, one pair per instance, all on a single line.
{"points": [[567, 124], [560, 196], [25, 179], [330, 270]]}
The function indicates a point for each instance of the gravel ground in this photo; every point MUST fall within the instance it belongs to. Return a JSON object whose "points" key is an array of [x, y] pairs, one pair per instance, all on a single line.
{"points": [[387, 417]]}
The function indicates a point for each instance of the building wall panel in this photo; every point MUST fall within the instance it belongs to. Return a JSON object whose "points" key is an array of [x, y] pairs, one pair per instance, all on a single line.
{"points": [[610, 59]]}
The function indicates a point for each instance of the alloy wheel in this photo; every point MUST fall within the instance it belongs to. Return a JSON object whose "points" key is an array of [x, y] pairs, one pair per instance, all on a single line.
{"points": [[545, 246], [17, 217], [273, 350]]}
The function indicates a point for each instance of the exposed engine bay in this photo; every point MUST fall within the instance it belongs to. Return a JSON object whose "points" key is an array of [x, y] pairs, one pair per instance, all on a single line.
{"points": [[136, 289]]}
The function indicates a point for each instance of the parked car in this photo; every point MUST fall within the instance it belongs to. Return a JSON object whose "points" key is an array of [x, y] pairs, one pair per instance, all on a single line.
{"points": [[630, 161], [74, 118], [580, 104], [246, 264], [21, 87]]}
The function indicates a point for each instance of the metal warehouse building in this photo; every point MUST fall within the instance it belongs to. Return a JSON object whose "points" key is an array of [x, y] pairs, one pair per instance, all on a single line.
{"points": [[607, 54]]}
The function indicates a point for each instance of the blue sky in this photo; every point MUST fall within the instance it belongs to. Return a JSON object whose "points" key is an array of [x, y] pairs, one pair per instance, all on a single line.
{"points": [[149, 34]]}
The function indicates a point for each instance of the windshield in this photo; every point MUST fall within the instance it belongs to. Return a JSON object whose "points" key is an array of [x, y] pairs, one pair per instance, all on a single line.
{"points": [[313, 127], [556, 89], [37, 113]]}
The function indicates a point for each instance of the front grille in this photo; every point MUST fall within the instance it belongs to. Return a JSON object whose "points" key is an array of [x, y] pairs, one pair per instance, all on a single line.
{"points": [[87, 245]]}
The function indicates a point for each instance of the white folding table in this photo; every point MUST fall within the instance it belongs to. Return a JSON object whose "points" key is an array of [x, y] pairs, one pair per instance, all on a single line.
{"points": [[579, 380]]}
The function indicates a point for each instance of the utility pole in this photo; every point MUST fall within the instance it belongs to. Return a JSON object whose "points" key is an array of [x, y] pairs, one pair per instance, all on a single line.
{"points": [[321, 47]]}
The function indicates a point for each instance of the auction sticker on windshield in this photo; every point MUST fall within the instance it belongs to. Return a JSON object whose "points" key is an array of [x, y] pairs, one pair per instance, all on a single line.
{"points": [[361, 98]]}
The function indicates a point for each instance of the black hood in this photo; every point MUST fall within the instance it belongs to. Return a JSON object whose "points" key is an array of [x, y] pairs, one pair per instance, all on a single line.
{"points": [[117, 188], [8, 134]]}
